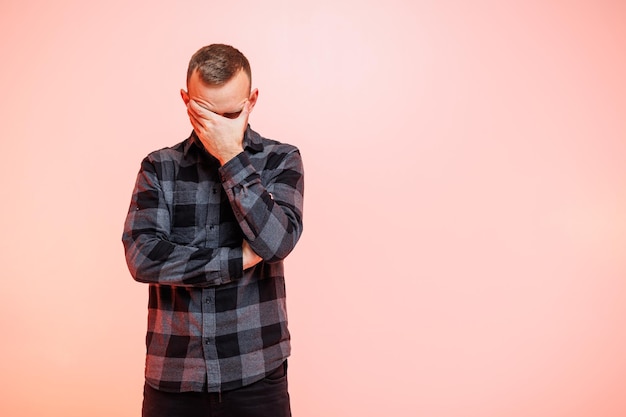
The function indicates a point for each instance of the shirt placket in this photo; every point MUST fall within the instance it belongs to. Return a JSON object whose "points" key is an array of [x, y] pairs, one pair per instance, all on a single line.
{"points": [[209, 328], [209, 322]]}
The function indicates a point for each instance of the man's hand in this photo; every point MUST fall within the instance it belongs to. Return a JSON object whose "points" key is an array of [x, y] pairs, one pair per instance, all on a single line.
{"points": [[221, 136], [250, 258]]}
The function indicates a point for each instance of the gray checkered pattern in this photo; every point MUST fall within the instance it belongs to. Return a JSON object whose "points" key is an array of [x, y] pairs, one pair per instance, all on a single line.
{"points": [[211, 325]]}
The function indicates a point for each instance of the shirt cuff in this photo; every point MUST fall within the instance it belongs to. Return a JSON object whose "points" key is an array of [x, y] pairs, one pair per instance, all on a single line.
{"points": [[236, 171]]}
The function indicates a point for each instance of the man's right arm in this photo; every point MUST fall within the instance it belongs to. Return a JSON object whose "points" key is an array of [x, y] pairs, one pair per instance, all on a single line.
{"points": [[153, 258]]}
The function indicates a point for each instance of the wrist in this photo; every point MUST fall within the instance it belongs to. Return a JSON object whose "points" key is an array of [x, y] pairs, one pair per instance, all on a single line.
{"points": [[228, 155]]}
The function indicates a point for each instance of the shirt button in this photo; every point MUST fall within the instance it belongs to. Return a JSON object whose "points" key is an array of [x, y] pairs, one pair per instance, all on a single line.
{"points": [[207, 341]]}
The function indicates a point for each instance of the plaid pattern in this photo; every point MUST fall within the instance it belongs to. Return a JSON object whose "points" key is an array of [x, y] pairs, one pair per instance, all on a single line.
{"points": [[211, 325]]}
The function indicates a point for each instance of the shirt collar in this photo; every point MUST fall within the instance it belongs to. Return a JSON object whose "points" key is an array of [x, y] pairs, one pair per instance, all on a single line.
{"points": [[251, 140]]}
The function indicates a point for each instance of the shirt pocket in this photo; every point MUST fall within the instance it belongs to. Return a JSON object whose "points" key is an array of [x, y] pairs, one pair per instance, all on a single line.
{"points": [[184, 218]]}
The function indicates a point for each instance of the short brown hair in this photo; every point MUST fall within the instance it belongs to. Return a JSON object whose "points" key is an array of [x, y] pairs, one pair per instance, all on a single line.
{"points": [[218, 63]]}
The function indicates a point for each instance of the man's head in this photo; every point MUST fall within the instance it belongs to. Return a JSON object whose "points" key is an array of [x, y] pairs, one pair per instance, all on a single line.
{"points": [[217, 64], [219, 78]]}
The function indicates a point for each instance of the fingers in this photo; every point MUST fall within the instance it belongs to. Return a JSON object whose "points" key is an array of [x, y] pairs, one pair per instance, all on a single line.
{"points": [[199, 115], [245, 113], [200, 110], [246, 109], [195, 121], [250, 258]]}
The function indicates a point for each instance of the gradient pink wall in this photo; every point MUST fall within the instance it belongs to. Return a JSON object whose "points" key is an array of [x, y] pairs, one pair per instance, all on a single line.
{"points": [[465, 224]]}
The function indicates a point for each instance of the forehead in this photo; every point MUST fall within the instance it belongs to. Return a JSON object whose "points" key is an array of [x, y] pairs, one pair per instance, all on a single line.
{"points": [[225, 97]]}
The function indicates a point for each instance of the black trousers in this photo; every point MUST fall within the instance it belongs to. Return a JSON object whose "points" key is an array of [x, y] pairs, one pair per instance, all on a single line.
{"points": [[266, 398]]}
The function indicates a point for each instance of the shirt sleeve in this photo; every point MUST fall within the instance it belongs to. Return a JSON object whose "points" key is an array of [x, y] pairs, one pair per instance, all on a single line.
{"points": [[268, 207], [153, 258]]}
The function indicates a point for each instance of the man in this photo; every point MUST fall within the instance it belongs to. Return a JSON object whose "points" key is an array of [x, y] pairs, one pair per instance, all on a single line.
{"points": [[210, 221]]}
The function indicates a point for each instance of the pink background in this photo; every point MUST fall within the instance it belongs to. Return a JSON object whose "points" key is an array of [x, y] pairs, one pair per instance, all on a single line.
{"points": [[465, 223]]}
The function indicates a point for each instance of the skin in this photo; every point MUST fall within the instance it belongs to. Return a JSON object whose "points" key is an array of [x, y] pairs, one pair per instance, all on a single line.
{"points": [[219, 116]]}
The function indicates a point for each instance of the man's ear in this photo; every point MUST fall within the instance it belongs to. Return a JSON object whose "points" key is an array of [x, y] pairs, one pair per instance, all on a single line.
{"points": [[185, 96], [254, 95]]}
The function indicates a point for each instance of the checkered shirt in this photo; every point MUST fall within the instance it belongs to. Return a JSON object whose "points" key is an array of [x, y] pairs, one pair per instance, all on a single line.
{"points": [[212, 326]]}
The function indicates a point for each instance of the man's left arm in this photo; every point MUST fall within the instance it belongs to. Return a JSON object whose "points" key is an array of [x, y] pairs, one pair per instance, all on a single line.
{"points": [[270, 215]]}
